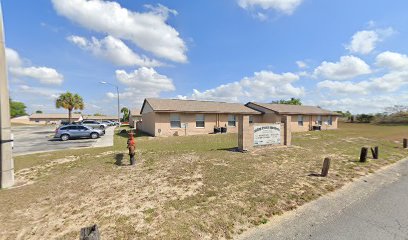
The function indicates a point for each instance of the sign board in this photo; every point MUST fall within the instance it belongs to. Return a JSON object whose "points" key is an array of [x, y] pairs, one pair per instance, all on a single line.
{"points": [[184, 125], [267, 134]]}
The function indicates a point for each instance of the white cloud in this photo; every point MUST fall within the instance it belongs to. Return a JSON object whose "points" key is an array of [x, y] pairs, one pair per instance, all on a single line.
{"points": [[146, 79], [392, 60], [389, 82], [44, 75], [230, 92], [364, 42], [262, 86], [348, 67], [114, 50], [49, 93], [261, 16], [301, 64], [142, 83], [13, 58], [361, 104], [283, 6], [148, 30], [345, 87]]}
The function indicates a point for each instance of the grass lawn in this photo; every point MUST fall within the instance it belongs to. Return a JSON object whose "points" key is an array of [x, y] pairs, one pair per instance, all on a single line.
{"points": [[191, 187]]}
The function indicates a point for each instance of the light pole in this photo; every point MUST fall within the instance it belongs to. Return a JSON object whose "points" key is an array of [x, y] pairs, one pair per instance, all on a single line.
{"points": [[6, 160], [117, 91]]}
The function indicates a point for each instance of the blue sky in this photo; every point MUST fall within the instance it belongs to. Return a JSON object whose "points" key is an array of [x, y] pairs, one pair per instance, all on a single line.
{"points": [[341, 55]]}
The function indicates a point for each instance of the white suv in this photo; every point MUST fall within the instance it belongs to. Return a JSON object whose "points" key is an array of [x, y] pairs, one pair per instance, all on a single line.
{"points": [[94, 124]]}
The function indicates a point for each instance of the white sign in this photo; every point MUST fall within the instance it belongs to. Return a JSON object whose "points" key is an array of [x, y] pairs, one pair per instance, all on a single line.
{"points": [[184, 125], [267, 134]]}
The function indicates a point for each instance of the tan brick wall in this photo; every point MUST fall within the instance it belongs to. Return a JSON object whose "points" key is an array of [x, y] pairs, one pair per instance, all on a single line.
{"points": [[295, 126], [245, 134], [211, 120], [271, 117], [148, 123], [310, 121]]}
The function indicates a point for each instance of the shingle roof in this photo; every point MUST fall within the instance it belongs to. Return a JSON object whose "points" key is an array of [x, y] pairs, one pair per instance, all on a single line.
{"points": [[294, 109], [135, 112], [177, 105], [54, 115]]}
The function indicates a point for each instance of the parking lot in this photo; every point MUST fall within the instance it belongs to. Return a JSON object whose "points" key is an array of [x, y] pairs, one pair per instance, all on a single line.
{"points": [[39, 138]]}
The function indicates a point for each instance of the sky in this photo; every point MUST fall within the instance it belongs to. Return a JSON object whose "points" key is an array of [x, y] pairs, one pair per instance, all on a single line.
{"points": [[338, 54]]}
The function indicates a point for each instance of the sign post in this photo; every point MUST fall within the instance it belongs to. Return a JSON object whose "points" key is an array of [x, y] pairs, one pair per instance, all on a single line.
{"points": [[6, 160]]}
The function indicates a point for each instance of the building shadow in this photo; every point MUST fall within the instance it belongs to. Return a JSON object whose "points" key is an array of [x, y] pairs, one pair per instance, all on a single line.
{"points": [[125, 133]]}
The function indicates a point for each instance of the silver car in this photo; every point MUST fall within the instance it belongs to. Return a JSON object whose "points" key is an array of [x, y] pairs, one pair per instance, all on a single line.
{"points": [[94, 124], [77, 131]]}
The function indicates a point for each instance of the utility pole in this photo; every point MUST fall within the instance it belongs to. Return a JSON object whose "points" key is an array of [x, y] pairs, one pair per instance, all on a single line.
{"points": [[6, 160], [117, 92]]}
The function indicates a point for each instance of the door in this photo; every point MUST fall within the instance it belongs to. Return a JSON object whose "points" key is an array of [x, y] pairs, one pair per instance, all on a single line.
{"points": [[83, 131], [72, 131]]}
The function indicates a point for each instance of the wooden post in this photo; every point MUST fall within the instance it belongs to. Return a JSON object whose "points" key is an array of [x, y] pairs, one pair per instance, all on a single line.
{"points": [[363, 154], [374, 151], [405, 143], [90, 233], [326, 166]]}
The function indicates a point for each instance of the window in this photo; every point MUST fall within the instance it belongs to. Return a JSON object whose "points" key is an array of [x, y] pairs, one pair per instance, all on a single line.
{"points": [[231, 120], [330, 120], [300, 120], [175, 121], [68, 128], [200, 123], [319, 120], [251, 119]]}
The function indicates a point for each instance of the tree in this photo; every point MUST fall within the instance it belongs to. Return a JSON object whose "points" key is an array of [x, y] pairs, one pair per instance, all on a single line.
{"points": [[125, 112], [98, 114], [346, 114], [292, 101], [38, 111], [396, 109], [364, 118], [17, 108], [69, 101]]}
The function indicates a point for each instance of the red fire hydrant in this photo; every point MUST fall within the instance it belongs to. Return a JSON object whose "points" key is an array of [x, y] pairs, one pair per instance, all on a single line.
{"points": [[131, 144]]}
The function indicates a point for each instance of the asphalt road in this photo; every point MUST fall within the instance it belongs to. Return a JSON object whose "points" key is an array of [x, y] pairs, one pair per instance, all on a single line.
{"points": [[31, 139], [373, 207]]}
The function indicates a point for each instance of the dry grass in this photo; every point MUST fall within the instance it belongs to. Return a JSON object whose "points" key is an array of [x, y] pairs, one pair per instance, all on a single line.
{"points": [[183, 187]]}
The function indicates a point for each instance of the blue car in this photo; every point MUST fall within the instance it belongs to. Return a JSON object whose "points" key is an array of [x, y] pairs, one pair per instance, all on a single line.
{"points": [[72, 131]]}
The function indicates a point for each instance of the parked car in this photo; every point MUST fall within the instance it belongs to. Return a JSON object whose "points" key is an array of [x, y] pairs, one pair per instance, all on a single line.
{"points": [[72, 131], [108, 122], [116, 123], [94, 124]]}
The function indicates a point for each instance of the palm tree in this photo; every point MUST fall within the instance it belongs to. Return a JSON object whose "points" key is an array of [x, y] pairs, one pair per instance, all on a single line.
{"points": [[69, 101], [125, 112]]}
